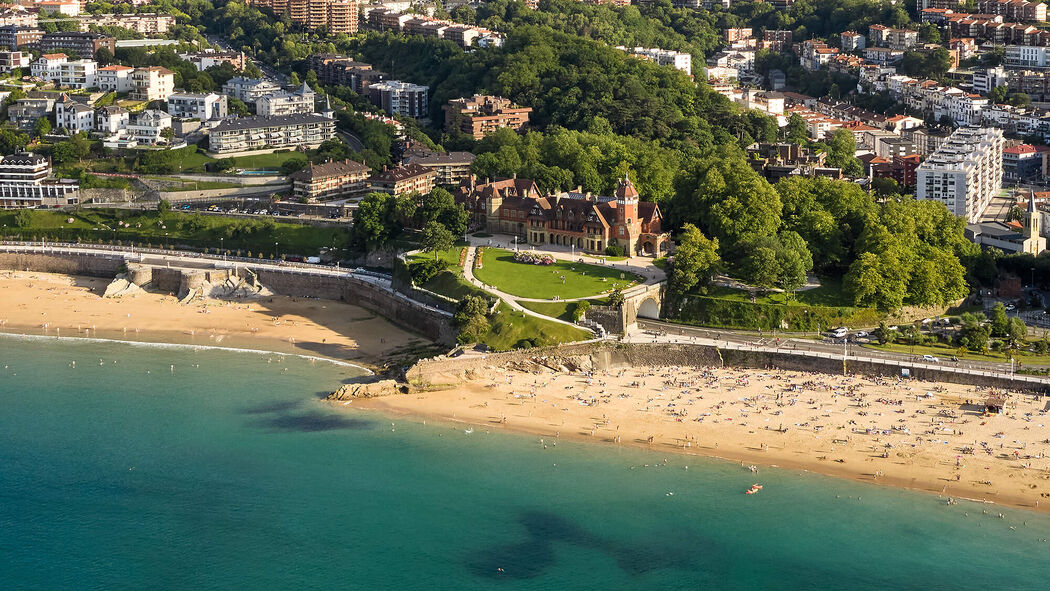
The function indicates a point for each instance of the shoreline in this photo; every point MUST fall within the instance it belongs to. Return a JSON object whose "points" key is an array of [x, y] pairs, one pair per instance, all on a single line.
{"points": [[929, 470], [70, 306]]}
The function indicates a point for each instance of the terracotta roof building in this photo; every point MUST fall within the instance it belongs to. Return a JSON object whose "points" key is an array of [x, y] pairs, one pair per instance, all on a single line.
{"points": [[331, 179], [410, 178], [574, 218], [481, 115]]}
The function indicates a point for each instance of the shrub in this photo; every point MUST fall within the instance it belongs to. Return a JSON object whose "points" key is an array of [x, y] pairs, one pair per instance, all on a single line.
{"points": [[614, 250]]}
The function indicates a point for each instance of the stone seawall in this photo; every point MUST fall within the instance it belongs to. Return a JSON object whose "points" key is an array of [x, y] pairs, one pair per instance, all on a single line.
{"points": [[104, 265], [607, 355], [428, 323]]}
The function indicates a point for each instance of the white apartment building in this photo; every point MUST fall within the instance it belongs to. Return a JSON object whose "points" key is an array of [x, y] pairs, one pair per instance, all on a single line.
{"points": [[665, 57], [987, 79], [965, 172], [73, 116], [1026, 56], [47, 66], [147, 24], [111, 119], [195, 105], [25, 181], [147, 127], [260, 133], [114, 78], [9, 60], [154, 83], [77, 74], [249, 89], [286, 103]]}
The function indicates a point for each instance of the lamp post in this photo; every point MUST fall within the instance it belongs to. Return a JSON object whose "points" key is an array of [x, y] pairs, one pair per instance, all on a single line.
{"points": [[275, 251], [222, 247]]}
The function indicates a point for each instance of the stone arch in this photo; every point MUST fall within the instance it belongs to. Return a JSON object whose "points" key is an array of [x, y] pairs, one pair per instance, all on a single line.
{"points": [[649, 308]]}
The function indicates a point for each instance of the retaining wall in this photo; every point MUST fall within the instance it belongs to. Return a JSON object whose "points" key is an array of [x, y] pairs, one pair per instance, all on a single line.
{"points": [[102, 265], [608, 355]]}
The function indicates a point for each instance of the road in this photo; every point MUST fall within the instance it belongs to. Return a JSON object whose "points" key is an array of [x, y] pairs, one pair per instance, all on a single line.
{"points": [[351, 140], [679, 333]]}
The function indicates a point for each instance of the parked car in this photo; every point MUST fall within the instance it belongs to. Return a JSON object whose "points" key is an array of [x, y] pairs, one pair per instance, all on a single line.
{"points": [[930, 358], [839, 332], [861, 334]]}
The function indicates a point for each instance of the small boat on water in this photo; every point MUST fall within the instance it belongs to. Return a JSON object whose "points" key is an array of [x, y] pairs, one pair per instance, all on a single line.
{"points": [[754, 489]]}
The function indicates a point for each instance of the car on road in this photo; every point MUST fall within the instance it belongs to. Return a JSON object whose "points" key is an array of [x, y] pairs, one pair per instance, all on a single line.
{"points": [[861, 334], [1010, 307], [839, 332], [930, 358]]}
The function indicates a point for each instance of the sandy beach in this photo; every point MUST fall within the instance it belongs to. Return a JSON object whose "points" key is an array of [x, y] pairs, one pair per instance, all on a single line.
{"points": [[72, 306], [919, 435]]}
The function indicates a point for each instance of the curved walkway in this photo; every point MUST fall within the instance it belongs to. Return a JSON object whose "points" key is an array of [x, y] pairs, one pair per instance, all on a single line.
{"points": [[468, 274]]}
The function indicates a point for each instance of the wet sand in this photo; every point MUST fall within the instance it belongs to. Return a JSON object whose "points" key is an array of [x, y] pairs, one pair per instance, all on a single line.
{"points": [[72, 306], [918, 435]]}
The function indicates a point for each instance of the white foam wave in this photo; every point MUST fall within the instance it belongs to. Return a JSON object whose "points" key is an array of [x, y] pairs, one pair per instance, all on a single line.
{"points": [[156, 345]]}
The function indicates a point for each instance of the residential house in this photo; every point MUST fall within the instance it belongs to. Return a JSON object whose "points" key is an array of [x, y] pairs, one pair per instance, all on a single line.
{"points": [[24, 113], [147, 126], [301, 100], [73, 116], [114, 78], [11, 60], [451, 167], [111, 119], [249, 89]]}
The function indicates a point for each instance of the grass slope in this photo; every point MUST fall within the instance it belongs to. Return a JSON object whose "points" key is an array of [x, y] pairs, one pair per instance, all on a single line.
{"points": [[545, 281]]}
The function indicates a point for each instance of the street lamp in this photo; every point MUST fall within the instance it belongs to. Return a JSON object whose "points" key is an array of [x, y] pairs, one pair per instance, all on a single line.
{"points": [[275, 251], [222, 248]]}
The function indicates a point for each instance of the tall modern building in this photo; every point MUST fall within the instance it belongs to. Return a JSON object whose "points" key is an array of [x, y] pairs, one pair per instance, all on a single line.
{"points": [[400, 98], [965, 172], [337, 16]]}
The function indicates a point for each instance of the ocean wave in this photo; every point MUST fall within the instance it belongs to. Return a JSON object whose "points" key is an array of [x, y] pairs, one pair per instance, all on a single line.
{"points": [[156, 345]]}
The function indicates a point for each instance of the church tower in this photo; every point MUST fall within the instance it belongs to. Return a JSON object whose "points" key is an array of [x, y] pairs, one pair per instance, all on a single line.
{"points": [[1034, 242]]}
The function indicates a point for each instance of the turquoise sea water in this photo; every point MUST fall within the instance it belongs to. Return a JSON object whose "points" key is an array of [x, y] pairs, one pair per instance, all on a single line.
{"points": [[229, 473]]}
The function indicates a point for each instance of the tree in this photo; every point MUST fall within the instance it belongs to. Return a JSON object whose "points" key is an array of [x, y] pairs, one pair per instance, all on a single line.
{"points": [[973, 334], [239, 107], [294, 81], [695, 261], [886, 334], [375, 222], [471, 318], [293, 164], [1017, 332], [104, 56], [998, 94], [1020, 99], [885, 188], [842, 150], [580, 310], [167, 133], [436, 238], [929, 33], [164, 206], [24, 218], [42, 127], [795, 131], [1000, 321]]}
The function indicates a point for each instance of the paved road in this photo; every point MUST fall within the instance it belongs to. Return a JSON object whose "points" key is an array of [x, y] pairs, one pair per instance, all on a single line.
{"points": [[679, 333], [352, 140]]}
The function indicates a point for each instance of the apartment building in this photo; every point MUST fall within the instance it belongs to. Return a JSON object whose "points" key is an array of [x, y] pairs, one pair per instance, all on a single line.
{"points": [[77, 74], [816, 54], [146, 128], [73, 116], [249, 89], [451, 167], [776, 40], [197, 105], [1023, 56], [965, 173], [339, 69], [26, 181], [336, 16], [147, 24], [852, 41], [330, 180], [901, 39], [11, 60], [259, 133], [111, 119], [301, 100], [664, 57], [481, 115], [386, 19], [17, 37], [115, 78], [47, 65], [18, 15], [410, 178], [84, 44], [1021, 11], [154, 83], [1024, 162], [400, 98], [203, 60], [24, 113]]}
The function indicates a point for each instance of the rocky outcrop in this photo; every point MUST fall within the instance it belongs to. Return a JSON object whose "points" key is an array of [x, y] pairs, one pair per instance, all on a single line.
{"points": [[368, 390]]}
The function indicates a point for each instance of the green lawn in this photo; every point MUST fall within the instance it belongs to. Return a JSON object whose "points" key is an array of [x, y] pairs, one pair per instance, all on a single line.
{"points": [[829, 293], [449, 283], [559, 310], [175, 229], [510, 329], [945, 352], [545, 281], [271, 161]]}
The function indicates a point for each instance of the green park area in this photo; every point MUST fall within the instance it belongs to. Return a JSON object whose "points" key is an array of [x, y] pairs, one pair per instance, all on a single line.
{"points": [[172, 229], [561, 310], [509, 329], [563, 279], [810, 310]]}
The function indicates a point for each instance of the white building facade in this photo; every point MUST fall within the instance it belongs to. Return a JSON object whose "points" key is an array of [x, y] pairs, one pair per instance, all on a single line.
{"points": [[965, 172]]}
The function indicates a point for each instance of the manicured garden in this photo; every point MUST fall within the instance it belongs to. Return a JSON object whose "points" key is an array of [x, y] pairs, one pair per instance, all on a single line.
{"points": [[562, 279]]}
